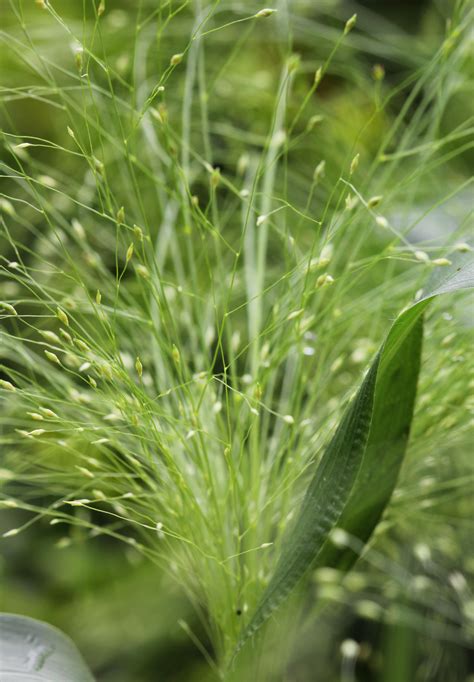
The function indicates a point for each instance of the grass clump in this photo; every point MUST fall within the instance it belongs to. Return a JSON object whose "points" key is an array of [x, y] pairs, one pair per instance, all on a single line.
{"points": [[199, 259]]}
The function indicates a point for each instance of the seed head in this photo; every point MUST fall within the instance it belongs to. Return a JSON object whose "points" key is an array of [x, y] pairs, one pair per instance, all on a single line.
{"points": [[52, 357], [98, 165], [101, 8], [462, 247], [378, 72], [340, 537], [37, 432], [324, 280], [7, 207], [350, 23], [354, 164], [78, 229], [62, 317], [318, 76], [35, 416], [422, 552], [176, 59], [47, 180], [351, 201], [66, 336], [288, 419], [142, 271], [381, 221], [350, 648], [139, 367], [422, 256], [263, 13], [235, 341], [314, 121], [374, 201], [176, 354], [81, 345], [160, 114], [458, 581], [7, 385], [293, 62], [78, 58], [98, 297], [316, 263], [120, 215], [215, 177], [9, 308], [441, 261], [11, 533], [138, 232], [129, 253], [319, 170], [50, 336], [296, 313], [48, 413]]}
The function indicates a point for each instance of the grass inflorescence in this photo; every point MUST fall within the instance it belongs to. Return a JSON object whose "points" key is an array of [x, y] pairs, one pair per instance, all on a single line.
{"points": [[198, 261]]}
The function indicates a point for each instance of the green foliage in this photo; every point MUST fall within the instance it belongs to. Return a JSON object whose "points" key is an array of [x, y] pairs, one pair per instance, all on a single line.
{"points": [[358, 471], [208, 217]]}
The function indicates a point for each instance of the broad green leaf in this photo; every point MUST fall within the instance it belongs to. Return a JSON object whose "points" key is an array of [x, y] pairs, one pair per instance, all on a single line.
{"points": [[33, 651], [359, 468]]}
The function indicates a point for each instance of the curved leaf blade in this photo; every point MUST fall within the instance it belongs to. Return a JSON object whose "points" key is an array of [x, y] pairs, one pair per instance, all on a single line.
{"points": [[33, 651], [359, 469]]}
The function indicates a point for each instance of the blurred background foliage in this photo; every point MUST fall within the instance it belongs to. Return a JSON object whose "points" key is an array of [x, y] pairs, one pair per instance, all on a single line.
{"points": [[123, 613]]}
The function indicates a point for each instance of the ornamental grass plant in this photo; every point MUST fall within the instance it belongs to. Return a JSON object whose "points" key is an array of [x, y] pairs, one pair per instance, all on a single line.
{"points": [[211, 213]]}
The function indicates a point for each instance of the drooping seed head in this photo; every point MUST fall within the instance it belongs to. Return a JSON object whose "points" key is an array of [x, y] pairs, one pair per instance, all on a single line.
{"points": [[176, 59], [382, 221], [52, 357], [374, 201], [422, 256], [62, 317], [266, 12]]}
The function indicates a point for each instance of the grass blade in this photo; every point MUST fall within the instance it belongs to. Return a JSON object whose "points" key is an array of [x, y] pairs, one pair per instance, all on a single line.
{"points": [[359, 468]]}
